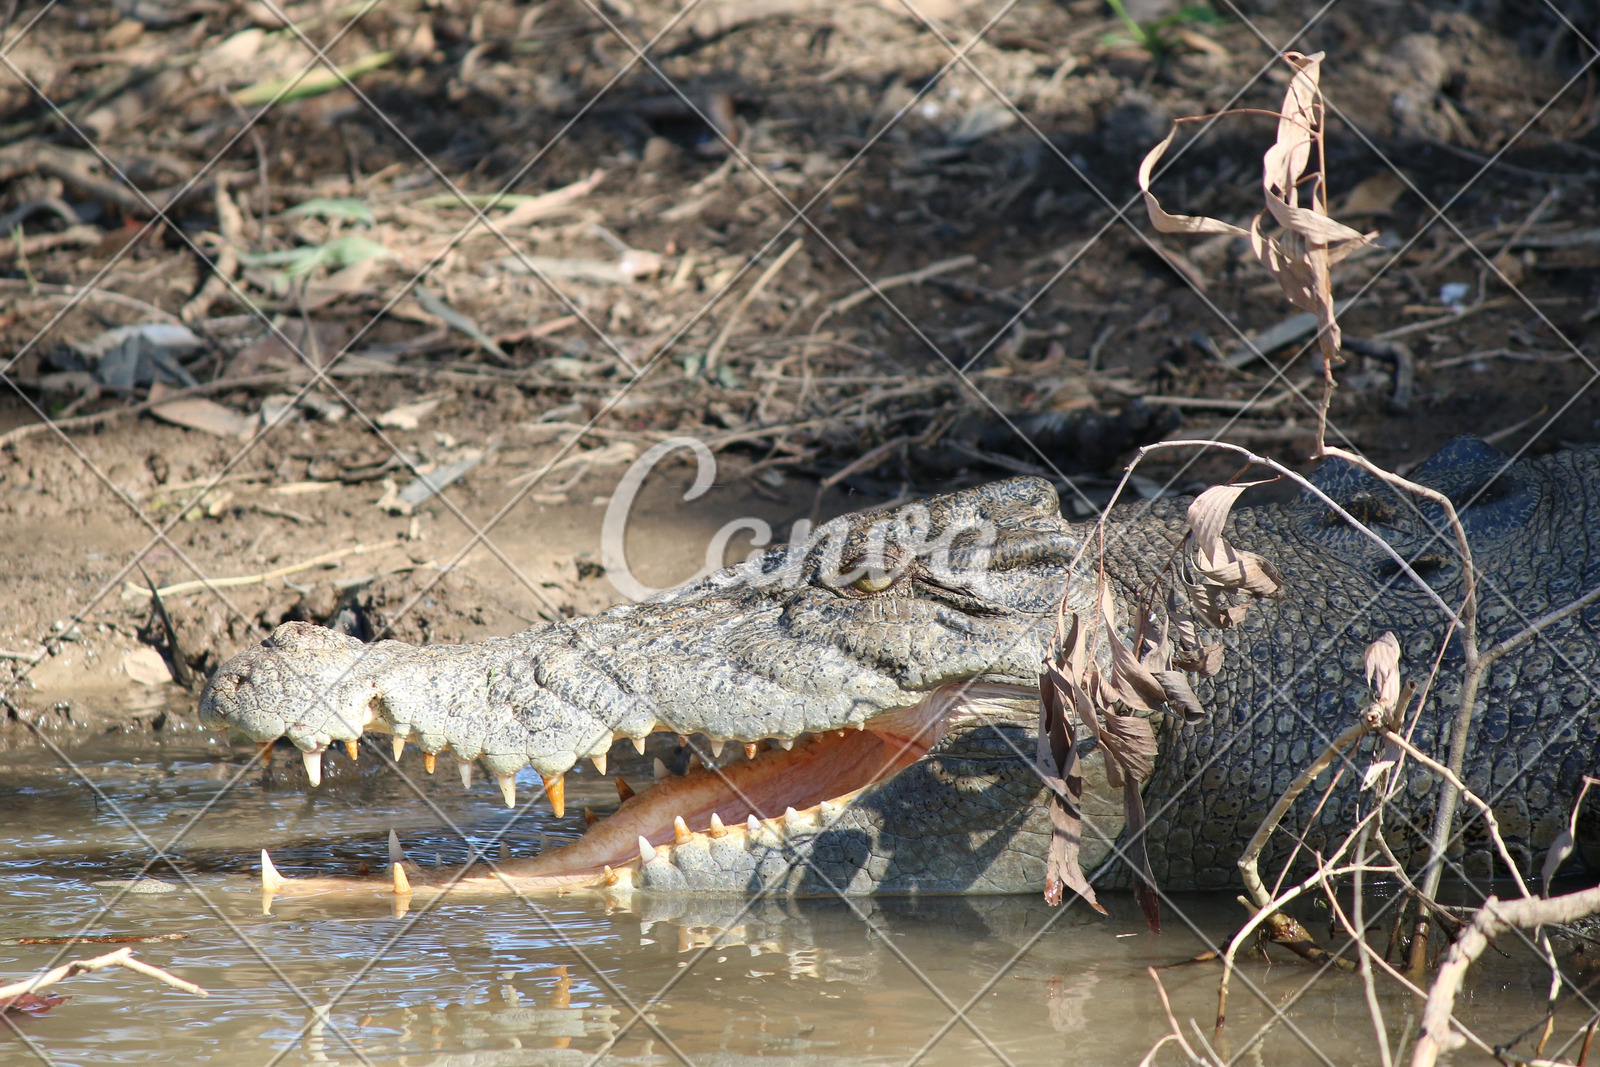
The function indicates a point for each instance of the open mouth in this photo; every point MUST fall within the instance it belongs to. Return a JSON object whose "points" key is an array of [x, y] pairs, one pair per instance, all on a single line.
{"points": [[765, 801]]}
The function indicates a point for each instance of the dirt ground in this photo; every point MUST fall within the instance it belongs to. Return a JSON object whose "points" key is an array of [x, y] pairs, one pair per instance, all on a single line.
{"points": [[645, 278]]}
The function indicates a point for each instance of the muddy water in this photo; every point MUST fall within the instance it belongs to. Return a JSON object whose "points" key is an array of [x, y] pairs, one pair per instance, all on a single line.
{"points": [[503, 983]]}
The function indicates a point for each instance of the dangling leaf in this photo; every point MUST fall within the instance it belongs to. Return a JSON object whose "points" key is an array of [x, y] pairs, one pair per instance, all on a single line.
{"points": [[1131, 683], [1382, 660], [1144, 884], [1181, 696], [1057, 761]]}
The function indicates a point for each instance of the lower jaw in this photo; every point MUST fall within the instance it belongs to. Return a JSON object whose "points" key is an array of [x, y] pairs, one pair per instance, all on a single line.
{"points": [[759, 802]]}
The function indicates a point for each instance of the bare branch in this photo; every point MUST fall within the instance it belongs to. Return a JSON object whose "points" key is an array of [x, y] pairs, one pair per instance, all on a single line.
{"points": [[1494, 918]]}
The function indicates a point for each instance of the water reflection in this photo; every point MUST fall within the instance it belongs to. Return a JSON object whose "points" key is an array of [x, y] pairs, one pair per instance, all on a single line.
{"points": [[648, 980]]}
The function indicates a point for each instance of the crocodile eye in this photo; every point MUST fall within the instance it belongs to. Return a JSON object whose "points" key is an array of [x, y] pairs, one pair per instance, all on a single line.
{"points": [[873, 582]]}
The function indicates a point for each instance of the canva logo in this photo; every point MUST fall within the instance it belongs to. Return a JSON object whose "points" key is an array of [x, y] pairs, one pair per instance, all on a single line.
{"points": [[848, 554]]}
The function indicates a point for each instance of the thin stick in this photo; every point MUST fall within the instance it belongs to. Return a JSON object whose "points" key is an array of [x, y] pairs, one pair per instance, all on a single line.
{"points": [[744, 302], [256, 579], [1249, 860], [1472, 798], [122, 957], [895, 281]]}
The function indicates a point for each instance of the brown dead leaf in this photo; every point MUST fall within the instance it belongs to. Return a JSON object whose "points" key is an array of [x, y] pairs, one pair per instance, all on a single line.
{"points": [[1166, 222], [1208, 513], [1565, 841], [1234, 568], [1057, 762], [1382, 660], [33, 1003], [1181, 695], [1131, 683]]}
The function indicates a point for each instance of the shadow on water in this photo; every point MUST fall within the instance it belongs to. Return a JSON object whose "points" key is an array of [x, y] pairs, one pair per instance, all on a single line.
{"points": [[723, 981]]}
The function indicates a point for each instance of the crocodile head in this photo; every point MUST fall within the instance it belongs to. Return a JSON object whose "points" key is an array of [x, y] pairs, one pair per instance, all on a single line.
{"points": [[885, 636]]}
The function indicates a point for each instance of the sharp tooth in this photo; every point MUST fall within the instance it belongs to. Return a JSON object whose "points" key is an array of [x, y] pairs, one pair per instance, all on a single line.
{"points": [[624, 790], [660, 769], [555, 791], [694, 764], [638, 743], [786, 742], [429, 760], [717, 829], [397, 745], [791, 819], [396, 853], [264, 751], [508, 788], [752, 824], [647, 852], [589, 818], [599, 761], [505, 852], [680, 830], [611, 877], [750, 749], [716, 748], [350, 750], [313, 762], [466, 774], [270, 878], [402, 884], [862, 725]]}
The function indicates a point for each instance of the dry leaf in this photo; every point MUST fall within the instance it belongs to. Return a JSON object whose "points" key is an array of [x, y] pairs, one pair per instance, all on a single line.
{"points": [[1144, 886], [1131, 683], [1057, 761], [1234, 568], [1562, 846], [1169, 223], [1180, 694], [1208, 513], [1383, 673]]}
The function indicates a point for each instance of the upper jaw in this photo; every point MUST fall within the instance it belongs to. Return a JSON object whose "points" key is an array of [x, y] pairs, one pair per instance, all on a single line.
{"points": [[781, 646]]}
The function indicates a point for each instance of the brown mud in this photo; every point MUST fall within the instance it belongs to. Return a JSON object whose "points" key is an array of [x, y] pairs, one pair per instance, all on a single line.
{"points": [[321, 210]]}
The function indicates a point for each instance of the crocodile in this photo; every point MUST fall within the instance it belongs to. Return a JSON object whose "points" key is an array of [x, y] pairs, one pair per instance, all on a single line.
{"points": [[865, 699]]}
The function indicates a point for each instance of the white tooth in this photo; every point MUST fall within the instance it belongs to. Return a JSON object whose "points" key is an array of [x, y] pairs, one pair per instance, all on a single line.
{"points": [[647, 852], [786, 742], [396, 853], [716, 747], [270, 878], [829, 812], [694, 763], [661, 770], [466, 775], [599, 760], [508, 788], [717, 829], [752, 825], [313, 762], [397, 745], [680, 829], [862, 725], [638, 743]]}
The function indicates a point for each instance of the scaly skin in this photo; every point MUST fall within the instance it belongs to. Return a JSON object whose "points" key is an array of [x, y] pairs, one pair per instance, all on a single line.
{"points": [[791, 647]]}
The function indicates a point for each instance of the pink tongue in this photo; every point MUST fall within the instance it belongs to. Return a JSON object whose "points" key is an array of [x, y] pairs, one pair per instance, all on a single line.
{"points": [[821, 768]]}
